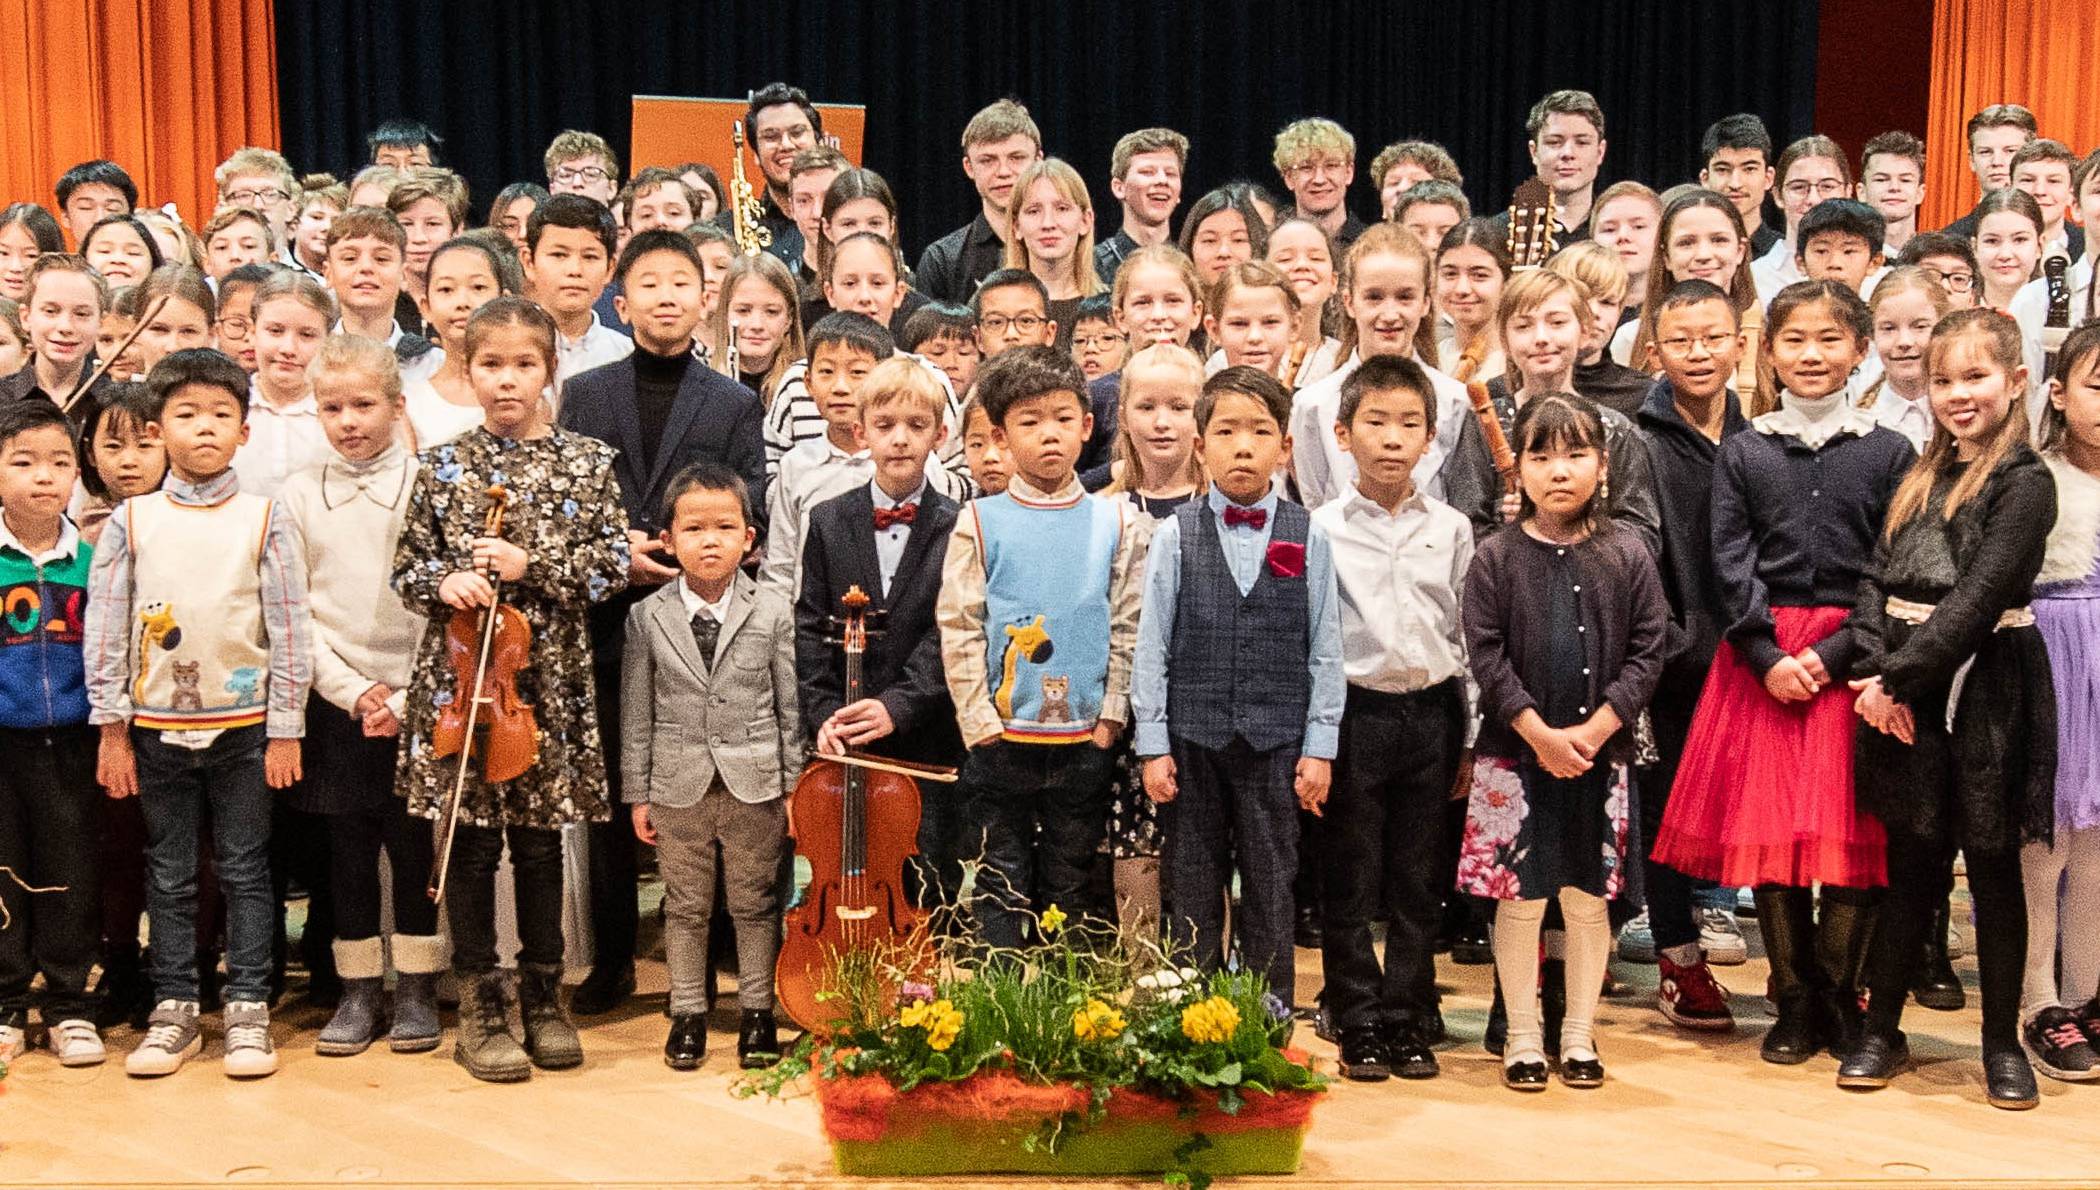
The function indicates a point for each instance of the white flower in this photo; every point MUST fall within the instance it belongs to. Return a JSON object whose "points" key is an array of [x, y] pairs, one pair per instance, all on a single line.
{"points": [[1168, 979], [1188, 975], [1174, 995], [1148, 982]]}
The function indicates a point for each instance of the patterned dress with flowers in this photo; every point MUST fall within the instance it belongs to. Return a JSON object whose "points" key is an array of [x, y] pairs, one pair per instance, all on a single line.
{"points": [[1528, 833], [564, 510]]}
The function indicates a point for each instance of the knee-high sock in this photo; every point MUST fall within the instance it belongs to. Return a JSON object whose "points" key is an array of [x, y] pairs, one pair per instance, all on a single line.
{"points": [[2041, 870], [2079, 925], [1588, 948], [1517, 968]]}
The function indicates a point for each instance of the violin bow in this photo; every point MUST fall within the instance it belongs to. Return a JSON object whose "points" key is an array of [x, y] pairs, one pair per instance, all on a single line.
{"points": [[102, 366], [498, 497]]}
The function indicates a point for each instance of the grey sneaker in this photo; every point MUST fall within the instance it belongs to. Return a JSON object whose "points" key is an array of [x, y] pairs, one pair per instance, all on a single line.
{"points": [[76, 1042], [1637, 940], [249, 1053], [1722, 938], [171, 1039], [14, 1039]]}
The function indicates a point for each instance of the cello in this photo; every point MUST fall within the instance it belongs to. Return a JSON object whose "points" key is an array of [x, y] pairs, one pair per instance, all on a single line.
{"points": [[855, 822], [484, 648]]}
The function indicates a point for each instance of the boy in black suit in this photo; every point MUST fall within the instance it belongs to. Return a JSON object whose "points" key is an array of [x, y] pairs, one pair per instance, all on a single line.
{"points": [[887, 537], [664, 412]]}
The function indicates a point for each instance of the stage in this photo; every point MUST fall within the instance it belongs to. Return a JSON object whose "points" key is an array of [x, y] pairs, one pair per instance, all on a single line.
{"points": [[1679, 1110]]}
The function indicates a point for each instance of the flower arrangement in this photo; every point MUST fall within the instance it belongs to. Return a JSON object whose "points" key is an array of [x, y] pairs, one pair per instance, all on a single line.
{"points": [[1087, 1052]]}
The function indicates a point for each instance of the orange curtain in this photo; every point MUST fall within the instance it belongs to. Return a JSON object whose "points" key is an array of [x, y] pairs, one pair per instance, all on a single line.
{"points": [[165, 88], [2037, 53]]}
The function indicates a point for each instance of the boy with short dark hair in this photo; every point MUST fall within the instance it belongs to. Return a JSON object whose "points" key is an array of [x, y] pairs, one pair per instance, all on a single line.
{"points": [[234, 323], [1238, 685], [568, 260], [1429, 209], [1098, 343], [1400, 561], [1041, 586], [1993, 135], [1012, 308], [1144, 174], [403, 144], [93, 191], [1567, 147], [198, 649], [779, 123], [365, 270], [991, 464], [1840, 240], [999, 142], [1892, 181], [1737, 152], [1947, 259], [946, 337], [50, 811], [712, 651], [2043, 169]]}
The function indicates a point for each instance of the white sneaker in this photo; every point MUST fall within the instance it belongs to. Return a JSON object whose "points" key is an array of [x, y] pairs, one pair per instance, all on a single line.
{"points": [[13, 1040], [171, 1039], [1722, 938], [1637, 940], [76, 1042], [249, 1053]]}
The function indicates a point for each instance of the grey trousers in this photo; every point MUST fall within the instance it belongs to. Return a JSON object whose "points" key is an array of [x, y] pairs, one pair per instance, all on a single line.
{"points": [[752, 838]]}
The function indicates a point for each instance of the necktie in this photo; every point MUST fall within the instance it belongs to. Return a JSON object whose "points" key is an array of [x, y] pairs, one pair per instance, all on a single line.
{"points": [[902, 514], [706, 631], [1253, 518]]}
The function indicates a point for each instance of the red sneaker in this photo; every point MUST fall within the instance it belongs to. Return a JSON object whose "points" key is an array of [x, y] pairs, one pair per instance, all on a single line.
{"points": [[1690, 997]]}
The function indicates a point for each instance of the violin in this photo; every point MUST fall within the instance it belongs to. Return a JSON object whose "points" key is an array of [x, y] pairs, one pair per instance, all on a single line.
{"points": [[485, 648], [856, 822]]}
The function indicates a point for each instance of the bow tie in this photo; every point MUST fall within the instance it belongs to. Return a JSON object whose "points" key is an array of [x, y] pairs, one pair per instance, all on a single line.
{"points": [[902, 514], [1253, 518]]}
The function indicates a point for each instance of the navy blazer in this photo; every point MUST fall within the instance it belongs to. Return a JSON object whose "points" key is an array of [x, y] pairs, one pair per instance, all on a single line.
{"points": [[713, 419], [902, 666]]}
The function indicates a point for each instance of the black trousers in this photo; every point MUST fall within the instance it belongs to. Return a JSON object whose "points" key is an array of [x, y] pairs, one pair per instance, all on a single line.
{"points": [[50, 837], [1234, 807], [1669, 891], [1921, 873], [470, 895], [299, 851], [1378, 846], [355, 838], [1037, 815]]}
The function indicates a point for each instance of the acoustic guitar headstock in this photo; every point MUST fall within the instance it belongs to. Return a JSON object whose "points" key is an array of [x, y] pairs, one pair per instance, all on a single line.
{"points": [[1532, 226]]}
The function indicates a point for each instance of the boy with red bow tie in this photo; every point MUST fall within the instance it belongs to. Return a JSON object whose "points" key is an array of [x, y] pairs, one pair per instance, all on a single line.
{"points": [[1238, 686]]}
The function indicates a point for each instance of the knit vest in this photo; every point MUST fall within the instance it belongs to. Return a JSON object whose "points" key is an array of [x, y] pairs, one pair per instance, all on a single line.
{"points": [[1046, 602], [1237, 667], [42, 609], [202, 662]]}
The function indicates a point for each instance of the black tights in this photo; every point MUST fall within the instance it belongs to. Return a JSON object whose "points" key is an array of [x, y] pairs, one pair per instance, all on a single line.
{"points": [[1920, 876]]}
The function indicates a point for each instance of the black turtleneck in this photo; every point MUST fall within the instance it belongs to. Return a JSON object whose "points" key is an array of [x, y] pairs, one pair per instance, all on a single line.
{"points": [[656, 381]]}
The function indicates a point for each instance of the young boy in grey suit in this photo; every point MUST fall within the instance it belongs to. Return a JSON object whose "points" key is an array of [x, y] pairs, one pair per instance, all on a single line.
{"points": [[711, 741]]}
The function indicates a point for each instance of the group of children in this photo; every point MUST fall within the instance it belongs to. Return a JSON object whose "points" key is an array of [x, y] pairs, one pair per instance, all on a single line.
{"points": [[1304, 574]]}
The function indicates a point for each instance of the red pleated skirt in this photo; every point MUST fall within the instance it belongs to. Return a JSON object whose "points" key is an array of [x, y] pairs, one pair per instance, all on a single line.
{"points": [[1764, 792]]}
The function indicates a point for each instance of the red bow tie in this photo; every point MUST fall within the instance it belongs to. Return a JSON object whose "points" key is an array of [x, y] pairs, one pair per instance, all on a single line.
{"points": [[1253, 518], [903, 514]]}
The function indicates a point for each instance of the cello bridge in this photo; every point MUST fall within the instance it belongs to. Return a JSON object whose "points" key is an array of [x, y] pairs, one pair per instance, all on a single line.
{"points": [[846, 914]]}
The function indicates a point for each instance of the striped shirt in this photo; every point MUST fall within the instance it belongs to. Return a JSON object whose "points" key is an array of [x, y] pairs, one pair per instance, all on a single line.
{"points": [[792, 418]]}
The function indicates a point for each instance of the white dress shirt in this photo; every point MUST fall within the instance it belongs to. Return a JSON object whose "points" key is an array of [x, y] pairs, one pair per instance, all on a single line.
{"points": [[1402, 581], [718, 611], [1912, 419], [595, 347], [890, 542], [282, 439]]}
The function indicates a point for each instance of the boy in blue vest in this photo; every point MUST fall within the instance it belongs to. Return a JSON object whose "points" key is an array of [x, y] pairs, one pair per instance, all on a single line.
{"points": [[1038, 613], [199, 656], [1239, 686], [50, 811]]}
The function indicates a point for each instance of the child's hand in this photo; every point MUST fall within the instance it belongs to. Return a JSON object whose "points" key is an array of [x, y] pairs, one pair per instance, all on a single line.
{"points": [[1558, 752], [493, 555], [373, 699], [1462, 785], [382, 722], [1814, 665], [1790, 681], [1512, 505], [1590, 735], [1311, 780], [281, 763], [116, 769], [1882, 713], [856, 724], [643, 828], [1105, 733], [1160, 785], [464, 589]]}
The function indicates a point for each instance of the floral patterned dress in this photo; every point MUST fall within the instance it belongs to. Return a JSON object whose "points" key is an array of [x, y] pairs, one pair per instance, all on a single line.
{"points": [[1133, 817], [1528, 833], [564, 510]]}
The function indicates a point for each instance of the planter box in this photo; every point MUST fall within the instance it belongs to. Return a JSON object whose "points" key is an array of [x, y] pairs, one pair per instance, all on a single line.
{"points": [[979, 1125]]}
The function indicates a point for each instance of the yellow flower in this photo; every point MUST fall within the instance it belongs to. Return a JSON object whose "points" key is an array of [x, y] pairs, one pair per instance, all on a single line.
{"points": [[1097, 1022], [938, 1018], [1211, 1020], [1052, 920]]}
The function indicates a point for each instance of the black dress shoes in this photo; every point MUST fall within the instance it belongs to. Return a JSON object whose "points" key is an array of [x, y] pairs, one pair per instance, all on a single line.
{"points": [[603, 990], [1364, 1058], [1407, 1052], [757, 1040], [1582, 1073], [686, 1047], [2008, 1079], [1524, 1076], [1878, 1058]]}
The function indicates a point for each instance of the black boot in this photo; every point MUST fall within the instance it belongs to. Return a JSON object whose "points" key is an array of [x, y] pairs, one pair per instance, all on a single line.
{"points": [[1844, 934], [1936, 985], [1785, 915], [550, 1037]]}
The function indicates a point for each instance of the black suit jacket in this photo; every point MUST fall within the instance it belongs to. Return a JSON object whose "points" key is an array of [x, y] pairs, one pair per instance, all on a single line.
{"points": [[713, 419], [902, 666]]}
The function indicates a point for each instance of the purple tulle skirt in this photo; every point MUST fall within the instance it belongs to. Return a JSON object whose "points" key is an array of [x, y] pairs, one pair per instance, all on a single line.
{"points": [[2070, 626]]}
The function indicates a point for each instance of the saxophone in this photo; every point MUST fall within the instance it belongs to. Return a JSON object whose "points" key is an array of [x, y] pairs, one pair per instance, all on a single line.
{"points": [[745, 213]]}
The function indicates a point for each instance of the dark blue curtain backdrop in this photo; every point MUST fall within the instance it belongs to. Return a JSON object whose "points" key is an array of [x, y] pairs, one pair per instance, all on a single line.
{"points": [[499, 79]]}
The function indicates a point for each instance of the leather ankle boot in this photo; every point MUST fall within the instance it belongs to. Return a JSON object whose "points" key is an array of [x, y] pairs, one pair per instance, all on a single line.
{"points": [[550, 1036]]}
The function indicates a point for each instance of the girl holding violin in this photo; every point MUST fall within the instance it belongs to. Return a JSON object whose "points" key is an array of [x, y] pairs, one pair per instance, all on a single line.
{"points": [[512, 531]]}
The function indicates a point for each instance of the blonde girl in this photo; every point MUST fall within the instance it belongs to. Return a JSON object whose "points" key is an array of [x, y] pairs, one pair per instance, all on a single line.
{"points": [[1052, 219], [759, 301]]}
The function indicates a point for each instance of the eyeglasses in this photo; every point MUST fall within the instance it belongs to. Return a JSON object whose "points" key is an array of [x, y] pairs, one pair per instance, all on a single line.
{"points": [[1027, 324], [1827, 188], [1106, 341], [1955, 282], [1682, 345], [1333, 168], [236, 326], [579, 173], [266, 196], [785, 136]]}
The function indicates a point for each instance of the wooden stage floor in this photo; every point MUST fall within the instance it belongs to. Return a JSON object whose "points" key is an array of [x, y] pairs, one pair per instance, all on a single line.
{"points": [[1680, 1111]]}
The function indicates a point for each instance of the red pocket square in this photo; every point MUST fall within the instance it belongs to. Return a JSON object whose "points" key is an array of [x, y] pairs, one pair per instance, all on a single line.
{"points": [[1287, 559]]}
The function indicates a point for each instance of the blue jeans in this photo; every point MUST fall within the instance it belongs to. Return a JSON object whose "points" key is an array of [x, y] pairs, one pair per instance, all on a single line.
{"points": [[175, 786]]}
